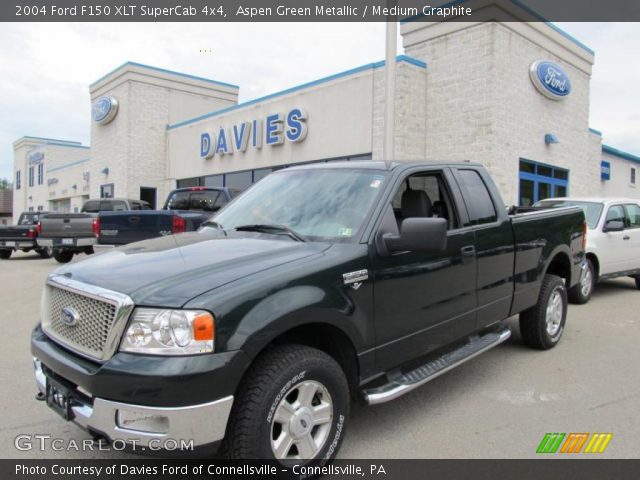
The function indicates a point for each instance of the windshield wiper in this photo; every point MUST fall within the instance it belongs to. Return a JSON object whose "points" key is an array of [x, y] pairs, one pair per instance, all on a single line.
{"points": [[269, 228]]}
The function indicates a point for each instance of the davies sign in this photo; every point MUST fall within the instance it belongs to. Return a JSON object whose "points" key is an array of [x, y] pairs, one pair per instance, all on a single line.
{"points": [[272, 130], [550, 79]]}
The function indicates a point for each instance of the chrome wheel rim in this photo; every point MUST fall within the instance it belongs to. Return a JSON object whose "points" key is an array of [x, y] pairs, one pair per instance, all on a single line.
{"points": [[555, 309], [586, 282], [302, 422]]}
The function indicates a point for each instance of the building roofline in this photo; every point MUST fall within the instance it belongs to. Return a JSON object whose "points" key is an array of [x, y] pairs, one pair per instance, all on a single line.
{"points": [[68, 143], [620, 153], [67, 165], [302, 86], [524, 7], [163, 70], [595, 132]]}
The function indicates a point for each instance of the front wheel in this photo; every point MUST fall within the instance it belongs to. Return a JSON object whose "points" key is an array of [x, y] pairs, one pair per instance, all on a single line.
{"points": [[5, 254], [582, 291], [292, 406], [45, 252], [541, 326], [62, 256]]}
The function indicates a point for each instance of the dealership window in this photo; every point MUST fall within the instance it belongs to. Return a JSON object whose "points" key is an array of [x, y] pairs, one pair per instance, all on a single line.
{"points": [[40, 208], [31, 176], [40, 174], [633, 176], [242, 180], [18, 180], [539, 181], [106, 191]]}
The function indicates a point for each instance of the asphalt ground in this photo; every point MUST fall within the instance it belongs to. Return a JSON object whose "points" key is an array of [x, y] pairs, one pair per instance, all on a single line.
{"points": [[498, 405]]}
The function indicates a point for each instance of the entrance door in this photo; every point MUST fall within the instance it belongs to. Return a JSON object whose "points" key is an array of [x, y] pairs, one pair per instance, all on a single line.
{"points": [[148, 194]]}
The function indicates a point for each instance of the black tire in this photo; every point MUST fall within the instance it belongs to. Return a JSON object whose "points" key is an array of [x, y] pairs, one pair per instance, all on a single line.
{"points": [[5, 254], [45, 252], [277, 376], [581, 292], [62, 256], [638, 283], [533, 321], [89, 251]]}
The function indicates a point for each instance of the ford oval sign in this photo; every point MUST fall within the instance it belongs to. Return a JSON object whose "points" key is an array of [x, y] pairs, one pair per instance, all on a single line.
{"points": [[104, 109], [69, 316], [550, 79]]}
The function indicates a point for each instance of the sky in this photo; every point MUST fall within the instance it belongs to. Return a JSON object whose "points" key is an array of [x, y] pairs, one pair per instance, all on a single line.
{"points": [[46, 68]]}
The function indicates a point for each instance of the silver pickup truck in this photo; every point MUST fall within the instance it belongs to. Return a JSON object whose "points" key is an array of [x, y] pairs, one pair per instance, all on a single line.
{"points": [[71, 233]]}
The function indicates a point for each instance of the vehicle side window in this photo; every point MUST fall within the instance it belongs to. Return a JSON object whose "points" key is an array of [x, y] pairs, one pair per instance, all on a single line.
{"points": [[633, 212], [92, 206], [146, 207], [135, 206], [424, 195], [220, 202], [481, 207], [616, 212]]}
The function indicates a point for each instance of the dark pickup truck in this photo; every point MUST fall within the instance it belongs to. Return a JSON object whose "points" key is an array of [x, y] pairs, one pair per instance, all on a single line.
{"points": [[320, 284], [71, 233], [184, 211], [22, 236]]}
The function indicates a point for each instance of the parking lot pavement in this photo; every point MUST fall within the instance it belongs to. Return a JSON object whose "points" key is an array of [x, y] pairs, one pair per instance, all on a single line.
{"points": [[498, 405]]}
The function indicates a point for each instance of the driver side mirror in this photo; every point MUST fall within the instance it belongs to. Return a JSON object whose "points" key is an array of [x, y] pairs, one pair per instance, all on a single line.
{"points": [[613, 226], [418, 234]]}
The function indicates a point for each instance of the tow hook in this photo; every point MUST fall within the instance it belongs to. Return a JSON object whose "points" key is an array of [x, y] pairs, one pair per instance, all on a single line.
{"points": [[40, 396]]}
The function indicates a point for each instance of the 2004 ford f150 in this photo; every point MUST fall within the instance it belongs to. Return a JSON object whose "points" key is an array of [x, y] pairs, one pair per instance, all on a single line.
{"points": [[319, 284]]}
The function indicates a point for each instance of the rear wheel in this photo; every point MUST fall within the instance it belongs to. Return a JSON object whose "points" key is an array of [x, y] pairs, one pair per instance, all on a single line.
{"points": [[582, 291], [45, 252], [638, 283], [292, 406], [5, 254], [541, 326], [62, 256]]}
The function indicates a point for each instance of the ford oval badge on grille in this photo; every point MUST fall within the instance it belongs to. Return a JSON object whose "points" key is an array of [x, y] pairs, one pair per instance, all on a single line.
{"points": [[69, 316]]}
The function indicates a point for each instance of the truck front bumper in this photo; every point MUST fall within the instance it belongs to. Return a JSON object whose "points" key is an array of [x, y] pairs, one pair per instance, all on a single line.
{"points": [[141, 425], [67, 242]]}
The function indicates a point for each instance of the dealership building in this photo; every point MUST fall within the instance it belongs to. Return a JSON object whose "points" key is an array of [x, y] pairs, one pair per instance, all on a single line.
{"points": [[513, 96]]}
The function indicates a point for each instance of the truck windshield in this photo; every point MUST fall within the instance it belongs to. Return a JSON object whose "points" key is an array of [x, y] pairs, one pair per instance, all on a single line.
{"points": [[323, 204], [592, 210]]}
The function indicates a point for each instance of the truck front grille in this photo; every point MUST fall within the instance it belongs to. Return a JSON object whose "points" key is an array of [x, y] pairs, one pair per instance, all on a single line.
{"points": [[84, 318]]}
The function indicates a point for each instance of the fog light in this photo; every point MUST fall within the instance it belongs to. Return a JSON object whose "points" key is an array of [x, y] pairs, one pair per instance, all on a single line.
{"points": [[143, 422]]}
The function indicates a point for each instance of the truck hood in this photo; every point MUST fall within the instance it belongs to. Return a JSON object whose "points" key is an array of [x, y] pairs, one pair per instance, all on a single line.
{"points": [[169, 271]]}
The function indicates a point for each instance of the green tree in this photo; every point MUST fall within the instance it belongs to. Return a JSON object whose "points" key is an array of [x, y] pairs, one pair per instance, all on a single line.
{"points": [[5, 184]]}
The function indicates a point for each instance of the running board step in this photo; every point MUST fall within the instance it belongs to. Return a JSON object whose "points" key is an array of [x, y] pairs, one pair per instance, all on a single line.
{"points": [[406, 382]]}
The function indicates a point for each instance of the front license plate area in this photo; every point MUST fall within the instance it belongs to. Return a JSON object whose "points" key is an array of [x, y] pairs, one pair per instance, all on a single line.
{"points": [[59, 399]]}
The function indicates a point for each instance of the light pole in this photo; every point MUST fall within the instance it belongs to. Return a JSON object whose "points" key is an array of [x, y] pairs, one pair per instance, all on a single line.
{"points": [[388, 147]]}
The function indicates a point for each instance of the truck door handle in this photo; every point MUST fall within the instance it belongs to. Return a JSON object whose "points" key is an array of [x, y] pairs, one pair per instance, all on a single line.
{"points": [[468, 251], [626, 237]]}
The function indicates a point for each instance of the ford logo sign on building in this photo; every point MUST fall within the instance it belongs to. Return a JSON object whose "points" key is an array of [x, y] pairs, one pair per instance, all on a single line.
{"points": [[69, 316], [550, 79], [104, 110]]}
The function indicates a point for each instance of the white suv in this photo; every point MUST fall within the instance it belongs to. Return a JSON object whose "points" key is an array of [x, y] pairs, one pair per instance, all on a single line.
{"points": [[613, 240]]}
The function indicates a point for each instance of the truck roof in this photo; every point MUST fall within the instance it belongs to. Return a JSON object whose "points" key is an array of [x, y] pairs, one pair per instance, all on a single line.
{"points": [[381, 164]]}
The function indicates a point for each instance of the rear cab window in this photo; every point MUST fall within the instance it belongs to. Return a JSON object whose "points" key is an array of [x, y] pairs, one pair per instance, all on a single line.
{"points": [[205, 200], [479, 202]]}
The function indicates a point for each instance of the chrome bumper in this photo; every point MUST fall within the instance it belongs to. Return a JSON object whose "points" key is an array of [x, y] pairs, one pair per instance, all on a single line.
{"points": [[201, 424], [57, 243]]}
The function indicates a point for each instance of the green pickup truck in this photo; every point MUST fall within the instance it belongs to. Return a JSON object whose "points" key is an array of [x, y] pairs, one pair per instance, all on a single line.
{"points": [[319, 285]]}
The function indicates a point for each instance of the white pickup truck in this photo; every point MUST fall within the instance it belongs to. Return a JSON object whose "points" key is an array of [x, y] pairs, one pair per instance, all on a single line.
{"points": [[613, 240]]}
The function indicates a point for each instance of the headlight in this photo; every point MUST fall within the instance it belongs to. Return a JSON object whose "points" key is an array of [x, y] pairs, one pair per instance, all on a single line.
{"points": [[169, 332]]}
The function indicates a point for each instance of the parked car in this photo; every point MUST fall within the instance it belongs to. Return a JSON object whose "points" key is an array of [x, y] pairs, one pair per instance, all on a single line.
{"points": [[613, 240], [319, 283], [71, 233], [22, 236], [184, 211]]}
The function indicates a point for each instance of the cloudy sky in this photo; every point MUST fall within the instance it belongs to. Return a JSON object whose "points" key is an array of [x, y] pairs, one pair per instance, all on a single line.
{"points": [[46, 68]]}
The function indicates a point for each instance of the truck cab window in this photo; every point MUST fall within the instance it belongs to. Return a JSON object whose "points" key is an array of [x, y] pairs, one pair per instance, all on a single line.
{"points": [[616, 213], [482, 210], [424, 195]]}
